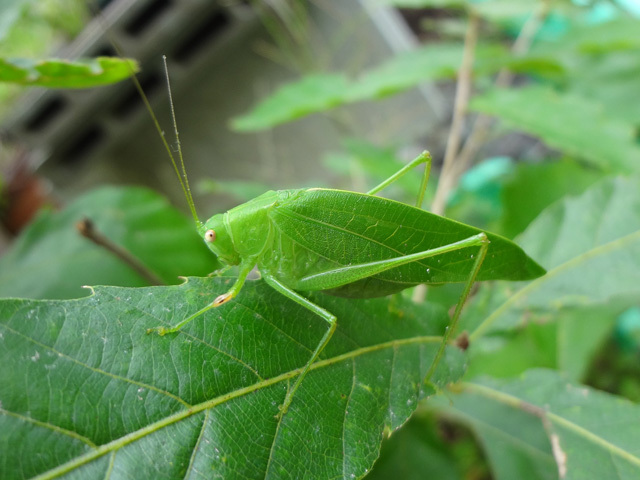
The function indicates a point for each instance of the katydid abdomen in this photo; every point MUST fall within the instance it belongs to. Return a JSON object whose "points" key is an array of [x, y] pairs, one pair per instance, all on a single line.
{"points": [[317, 230]]}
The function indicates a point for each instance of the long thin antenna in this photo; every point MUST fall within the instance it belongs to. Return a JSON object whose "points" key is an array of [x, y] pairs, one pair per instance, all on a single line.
{"points": [[183, 180], [185, 184], [182, 177]]}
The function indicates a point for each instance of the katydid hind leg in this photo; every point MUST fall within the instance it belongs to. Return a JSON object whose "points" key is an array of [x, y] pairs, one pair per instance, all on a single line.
{"points": [[321, 312], [351, 273], [482, 253], [219, 300]]}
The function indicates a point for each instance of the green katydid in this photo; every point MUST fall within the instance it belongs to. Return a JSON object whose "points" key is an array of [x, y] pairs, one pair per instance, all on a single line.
{"points": [[348, 244]]}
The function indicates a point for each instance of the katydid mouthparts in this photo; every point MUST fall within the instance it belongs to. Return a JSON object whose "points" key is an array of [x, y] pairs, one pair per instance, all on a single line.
{"points": [[347, 244]]}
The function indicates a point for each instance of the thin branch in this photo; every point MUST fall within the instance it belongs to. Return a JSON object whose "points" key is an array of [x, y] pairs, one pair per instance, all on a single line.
{"points": [[483, 124], [88, 230], [463, 89]]}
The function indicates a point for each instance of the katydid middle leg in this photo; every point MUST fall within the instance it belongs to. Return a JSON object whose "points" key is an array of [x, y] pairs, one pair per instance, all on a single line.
{"points": [[330, 318], [424, 157], [344, 275]]}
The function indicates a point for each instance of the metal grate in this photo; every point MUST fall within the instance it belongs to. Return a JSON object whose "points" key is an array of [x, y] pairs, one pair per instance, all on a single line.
{"points": [[65, 126]]}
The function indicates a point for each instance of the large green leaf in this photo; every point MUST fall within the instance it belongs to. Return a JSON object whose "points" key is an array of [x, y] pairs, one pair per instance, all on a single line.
{"points": [[616, 34], [531, 187], [407, 70], [601, 62], [610, 79], [591, 434], [514, 441], [416, 451], [567, 341], [575, 125], [54, 73], [313, 93], [87, 394], [51, 260], [590, 246]]}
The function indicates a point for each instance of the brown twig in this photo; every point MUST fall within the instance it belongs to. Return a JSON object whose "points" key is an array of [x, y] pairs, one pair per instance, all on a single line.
{"points": [[88, 230], [463, 90], [483, 123]]}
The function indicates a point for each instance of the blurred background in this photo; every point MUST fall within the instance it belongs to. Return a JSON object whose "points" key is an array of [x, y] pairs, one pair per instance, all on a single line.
{"points": [[381, 73], [530, 108]]}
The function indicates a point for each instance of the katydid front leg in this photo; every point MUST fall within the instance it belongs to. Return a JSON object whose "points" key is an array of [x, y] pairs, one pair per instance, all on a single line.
{"points": [[219, 272], [245, 269]]}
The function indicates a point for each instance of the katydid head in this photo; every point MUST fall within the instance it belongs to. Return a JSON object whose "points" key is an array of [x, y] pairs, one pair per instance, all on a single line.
{"points": [[217, 237]]}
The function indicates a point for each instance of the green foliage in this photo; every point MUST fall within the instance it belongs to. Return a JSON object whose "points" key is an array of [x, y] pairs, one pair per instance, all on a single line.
{"points": [[321, 92], [591, 259], [206, 400], [540, 425], [86, 394], [592, 262], [27, 25], [51, 249], [54, 73], [574, 125], [314, 93], [414, 450], [523, 198], [31, 30]]}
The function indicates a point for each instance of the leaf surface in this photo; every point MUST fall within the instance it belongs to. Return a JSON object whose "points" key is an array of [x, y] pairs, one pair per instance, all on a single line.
{"points": [[592, 434], [515, 442], [321, 92], [313, 93], [87, 394], [590, 245], [523, 198], [55, 73], [570, 123]]}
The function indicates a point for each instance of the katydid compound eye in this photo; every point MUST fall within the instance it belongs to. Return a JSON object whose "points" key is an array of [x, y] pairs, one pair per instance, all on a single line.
{"points": [[210, 236]]}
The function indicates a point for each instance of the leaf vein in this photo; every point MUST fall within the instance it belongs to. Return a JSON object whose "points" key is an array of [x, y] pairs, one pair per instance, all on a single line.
{"points": [[183, 414], [98, 370], [49, 426]]}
